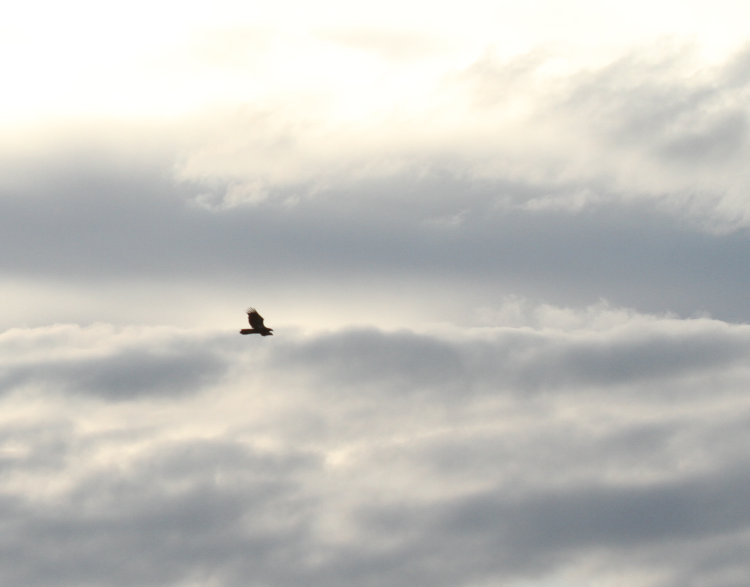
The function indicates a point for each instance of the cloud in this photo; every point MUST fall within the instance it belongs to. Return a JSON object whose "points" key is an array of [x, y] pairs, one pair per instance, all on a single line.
{"points": [[506, 269], [391, 44], [92, 226], [395, 361], [654, 123], [529, 534], [569, 446], [112, 365], [520, 359], [195, 510]]}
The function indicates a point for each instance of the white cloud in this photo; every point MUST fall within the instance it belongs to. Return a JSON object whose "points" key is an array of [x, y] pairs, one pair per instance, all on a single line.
{"points": [[655, 124]]}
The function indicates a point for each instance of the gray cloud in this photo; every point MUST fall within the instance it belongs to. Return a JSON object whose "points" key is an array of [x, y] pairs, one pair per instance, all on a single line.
{"points": [[197, 511], [535, 531], [140, 372], [219, 510], [86, 232], [132, 365], [516, 359], [397, 361], [429, 463]]}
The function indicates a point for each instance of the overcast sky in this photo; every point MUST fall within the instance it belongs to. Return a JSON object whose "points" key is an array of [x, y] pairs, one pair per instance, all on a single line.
{"points": [[504, 247]]}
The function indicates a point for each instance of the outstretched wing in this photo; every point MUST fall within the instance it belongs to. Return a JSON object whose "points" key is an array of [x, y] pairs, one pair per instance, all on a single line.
{"points": [[255, 319]]}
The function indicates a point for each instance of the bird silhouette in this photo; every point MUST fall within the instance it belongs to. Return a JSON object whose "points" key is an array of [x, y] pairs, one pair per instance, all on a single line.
{"points": [[256, 321]]}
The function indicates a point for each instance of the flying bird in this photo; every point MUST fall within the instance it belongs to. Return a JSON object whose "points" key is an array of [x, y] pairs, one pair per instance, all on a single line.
{"points": [[256, 321]]}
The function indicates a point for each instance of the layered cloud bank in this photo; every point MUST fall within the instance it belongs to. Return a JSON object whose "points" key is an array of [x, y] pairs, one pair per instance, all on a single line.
{"points": [[504, 252], [603, 445]]}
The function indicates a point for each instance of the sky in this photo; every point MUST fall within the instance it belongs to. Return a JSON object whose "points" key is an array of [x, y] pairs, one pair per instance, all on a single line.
{"points": [[503, 247]]}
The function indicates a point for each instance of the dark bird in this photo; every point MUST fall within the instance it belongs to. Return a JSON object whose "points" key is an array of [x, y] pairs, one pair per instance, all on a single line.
{"points": [[256, 321]]}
